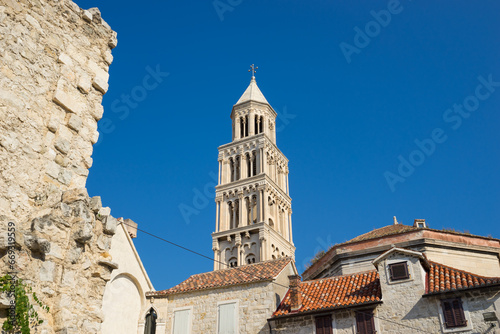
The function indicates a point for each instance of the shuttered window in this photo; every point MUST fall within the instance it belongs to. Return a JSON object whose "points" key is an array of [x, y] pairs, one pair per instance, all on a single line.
{"points": [[453, 313], [227, 318], [324, 325], [181, 322], [399, 271], [364, 322]]}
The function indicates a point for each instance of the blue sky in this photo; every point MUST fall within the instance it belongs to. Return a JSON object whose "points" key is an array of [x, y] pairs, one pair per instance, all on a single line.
{"points": [[386, 109]]}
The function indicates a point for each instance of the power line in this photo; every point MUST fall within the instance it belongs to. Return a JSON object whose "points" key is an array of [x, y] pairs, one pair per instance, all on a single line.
{"points": [[257, 276]]}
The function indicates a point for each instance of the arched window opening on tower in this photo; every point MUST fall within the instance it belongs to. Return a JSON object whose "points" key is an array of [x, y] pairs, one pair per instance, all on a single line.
{"points": [[254, 210], [230, 207], [249, 165], [231, 169], [246, 125], [250, 259], [150, 323], [254, 164], [261, 124], [233, 262], [237, 168]]}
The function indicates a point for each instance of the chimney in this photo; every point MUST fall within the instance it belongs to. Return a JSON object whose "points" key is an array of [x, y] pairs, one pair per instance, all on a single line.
{"points": [[419, 223], [395, 221], [295, 294]]}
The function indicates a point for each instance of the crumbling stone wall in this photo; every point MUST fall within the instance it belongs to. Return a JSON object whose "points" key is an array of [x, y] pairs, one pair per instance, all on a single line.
{"points": [[54, 60], [53, 72]]}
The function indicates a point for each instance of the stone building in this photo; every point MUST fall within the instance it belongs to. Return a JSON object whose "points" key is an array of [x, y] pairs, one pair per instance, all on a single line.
{"points": [[54, 63], [252, 242], [398, 279]]}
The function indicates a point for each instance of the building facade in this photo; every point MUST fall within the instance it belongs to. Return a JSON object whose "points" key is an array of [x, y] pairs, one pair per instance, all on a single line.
{"points": [[398, 279]]}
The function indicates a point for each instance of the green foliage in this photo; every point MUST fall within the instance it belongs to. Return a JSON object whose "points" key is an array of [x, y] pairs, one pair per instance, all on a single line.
{"points": [[22, 315]]}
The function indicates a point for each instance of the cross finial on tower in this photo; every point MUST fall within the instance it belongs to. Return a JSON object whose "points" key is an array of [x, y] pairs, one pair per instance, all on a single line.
{"points": [[253, 69]]}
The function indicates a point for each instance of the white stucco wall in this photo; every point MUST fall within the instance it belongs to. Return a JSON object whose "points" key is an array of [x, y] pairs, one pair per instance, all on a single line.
{"points": [[124, 295]]}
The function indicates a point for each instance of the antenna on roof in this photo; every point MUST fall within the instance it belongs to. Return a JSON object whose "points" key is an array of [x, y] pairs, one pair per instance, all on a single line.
{"points": [[395, 220]]}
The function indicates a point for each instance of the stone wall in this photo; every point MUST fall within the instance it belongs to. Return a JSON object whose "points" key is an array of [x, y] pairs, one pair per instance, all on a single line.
{"points": [[54, 60]]}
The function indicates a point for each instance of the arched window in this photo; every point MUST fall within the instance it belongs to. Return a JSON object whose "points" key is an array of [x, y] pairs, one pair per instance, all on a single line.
{"points": [[150, 325], [254, 165], [250, 259], [233, 262], [261, 124], [246, 126], [249, 165], [231, 169]]}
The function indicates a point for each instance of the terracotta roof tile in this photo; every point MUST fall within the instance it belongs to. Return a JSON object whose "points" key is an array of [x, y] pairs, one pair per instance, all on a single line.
{"points": [[441, 278], [252, 273], [384, 231], [335, 292]]}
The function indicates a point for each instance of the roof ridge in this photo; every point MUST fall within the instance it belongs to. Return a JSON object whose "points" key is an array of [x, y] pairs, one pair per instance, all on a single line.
{"points": [[340, 276]]}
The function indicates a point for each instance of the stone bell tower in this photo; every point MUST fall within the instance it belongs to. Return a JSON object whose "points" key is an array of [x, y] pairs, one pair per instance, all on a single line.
{"points": [[253, 217]]}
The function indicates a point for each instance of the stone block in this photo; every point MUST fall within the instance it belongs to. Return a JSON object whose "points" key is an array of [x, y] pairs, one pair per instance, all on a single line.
{"points": [[75, 122], [109, 225], [113, 41], [104, 211], [84, 83], [108, 57], [95, 203], [96, 14], [100, 79], [65, 59], [73, 195], [68, 97], [97, 111], [104, 242], [53, 169], [47, 271], [87, 16], [83, 233], [61, 161], [62, 145], [65, 177], [108, 263], [53, 124]]}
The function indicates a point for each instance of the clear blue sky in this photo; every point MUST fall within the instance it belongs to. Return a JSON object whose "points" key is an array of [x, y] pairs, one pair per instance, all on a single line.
{"points": [[358, 93]]}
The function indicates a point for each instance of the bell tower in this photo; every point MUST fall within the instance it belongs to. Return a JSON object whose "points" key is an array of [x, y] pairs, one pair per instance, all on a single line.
{"points": [[253, 216]]}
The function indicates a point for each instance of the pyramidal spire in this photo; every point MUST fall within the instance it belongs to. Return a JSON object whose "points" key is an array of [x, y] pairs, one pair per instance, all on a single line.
{"points": [[252, 93]]}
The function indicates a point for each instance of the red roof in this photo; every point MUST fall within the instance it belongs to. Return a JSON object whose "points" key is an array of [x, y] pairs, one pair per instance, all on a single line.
{"points": [[441, 278], [335, 292], [384, 231], [262, 271]]}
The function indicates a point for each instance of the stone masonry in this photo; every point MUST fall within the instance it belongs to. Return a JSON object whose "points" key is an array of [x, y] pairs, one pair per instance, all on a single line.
{"points": [[54, 60]]}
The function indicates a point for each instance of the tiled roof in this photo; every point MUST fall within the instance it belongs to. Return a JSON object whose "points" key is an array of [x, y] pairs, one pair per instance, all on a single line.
{"points": [[442, 278], [252, 273], [384, 231], [335, 292]]}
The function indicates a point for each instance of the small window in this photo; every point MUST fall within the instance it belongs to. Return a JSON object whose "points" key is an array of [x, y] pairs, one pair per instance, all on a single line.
{"points": [[453, 313], [399, 271], [364, 322], [324, 325], [233, 262], [150, 323]]}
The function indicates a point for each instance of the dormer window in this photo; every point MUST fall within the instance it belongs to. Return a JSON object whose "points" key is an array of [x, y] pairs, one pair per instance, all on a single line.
{"points": [[399, 271]]}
